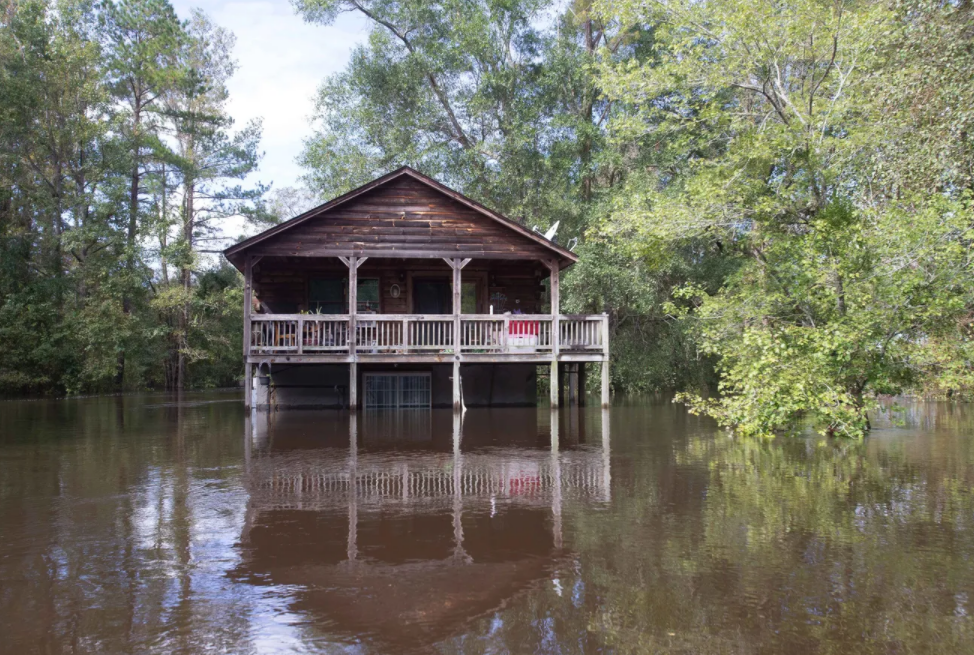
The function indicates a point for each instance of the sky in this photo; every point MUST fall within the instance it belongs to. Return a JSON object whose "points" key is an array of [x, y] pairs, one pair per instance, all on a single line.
{"points": [[281, 61]]}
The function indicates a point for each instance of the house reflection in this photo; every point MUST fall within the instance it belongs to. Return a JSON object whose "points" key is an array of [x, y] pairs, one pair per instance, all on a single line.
{"points": [[400, 528]]}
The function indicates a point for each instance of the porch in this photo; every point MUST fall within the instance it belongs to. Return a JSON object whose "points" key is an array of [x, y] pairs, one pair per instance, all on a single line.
{"points": [[366, 336], [427, 338]]}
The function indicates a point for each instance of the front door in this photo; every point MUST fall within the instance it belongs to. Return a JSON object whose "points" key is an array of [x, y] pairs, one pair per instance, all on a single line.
{"points": [[432, 296]]}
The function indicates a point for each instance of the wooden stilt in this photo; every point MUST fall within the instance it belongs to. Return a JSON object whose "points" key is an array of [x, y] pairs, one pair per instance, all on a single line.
{"points": [[562, 376], [456, 385], [554, 384], [353, 386], [605, 384], [572, 384], [582, 383], [248, 301], [248, 383]]}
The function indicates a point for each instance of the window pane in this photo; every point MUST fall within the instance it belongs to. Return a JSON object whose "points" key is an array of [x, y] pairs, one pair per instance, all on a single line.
{"points": [[468, 298], [368, 295], [326, 296]]}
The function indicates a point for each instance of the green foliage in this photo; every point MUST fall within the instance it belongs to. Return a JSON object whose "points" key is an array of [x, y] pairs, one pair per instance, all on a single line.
{"points": [[94, 186], [854, 269]]}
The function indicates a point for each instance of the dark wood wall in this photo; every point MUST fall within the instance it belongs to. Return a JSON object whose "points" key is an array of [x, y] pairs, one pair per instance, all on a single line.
{"points": [[281, 283], [406, 217]]}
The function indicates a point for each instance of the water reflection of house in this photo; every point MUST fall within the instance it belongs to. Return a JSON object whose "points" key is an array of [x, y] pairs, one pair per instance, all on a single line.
{"points": [[404, 544]]}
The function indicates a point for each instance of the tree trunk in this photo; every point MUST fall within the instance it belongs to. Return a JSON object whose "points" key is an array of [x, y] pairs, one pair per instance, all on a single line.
{"points": [[132, 228], [186, 279]]}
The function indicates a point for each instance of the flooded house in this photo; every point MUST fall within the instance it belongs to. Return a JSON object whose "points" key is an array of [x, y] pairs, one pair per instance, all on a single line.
{"points": [[405, 293]]}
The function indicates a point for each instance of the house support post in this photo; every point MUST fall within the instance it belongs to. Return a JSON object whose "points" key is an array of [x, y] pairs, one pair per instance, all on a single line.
{"points": [[248, 302], [555, 332], [353, 263], [352, 386], [582, 383], [457, 400], [605, 361], [554, 384], [248, 383], [457, 265]]}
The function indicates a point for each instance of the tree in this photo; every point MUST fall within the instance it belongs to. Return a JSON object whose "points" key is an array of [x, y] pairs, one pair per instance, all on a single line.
{"points": [[844, 278], [209, 156], [141, 39], [475, 94]]}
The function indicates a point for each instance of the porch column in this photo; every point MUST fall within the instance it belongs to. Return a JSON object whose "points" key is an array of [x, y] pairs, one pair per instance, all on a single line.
{"points": [[248, 302], [457, 265], [555, 331], [457, 305], [353, 263]]}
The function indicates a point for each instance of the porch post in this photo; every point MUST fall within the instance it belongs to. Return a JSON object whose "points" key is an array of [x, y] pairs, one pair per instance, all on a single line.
{"points": [[555, 332], [457, 265], [248, 302], [352, 263]]}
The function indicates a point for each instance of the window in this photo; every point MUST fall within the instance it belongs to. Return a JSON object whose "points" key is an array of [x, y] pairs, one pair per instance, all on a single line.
{"points": [[327, 295], [468, 297], [368, 295]]}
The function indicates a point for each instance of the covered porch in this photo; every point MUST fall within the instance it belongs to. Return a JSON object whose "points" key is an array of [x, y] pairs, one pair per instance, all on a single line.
{"points": [[355, 310]]}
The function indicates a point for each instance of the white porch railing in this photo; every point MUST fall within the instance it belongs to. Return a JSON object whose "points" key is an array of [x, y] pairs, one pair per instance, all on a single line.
{"points": [[428, 333]]}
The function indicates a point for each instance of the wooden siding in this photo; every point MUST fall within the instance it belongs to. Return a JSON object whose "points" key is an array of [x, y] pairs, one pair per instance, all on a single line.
{"points": [[403, 217], [281, 284]]}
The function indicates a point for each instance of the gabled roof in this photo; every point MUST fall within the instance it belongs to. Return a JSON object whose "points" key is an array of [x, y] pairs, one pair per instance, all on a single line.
{"points": [[565, 256]]}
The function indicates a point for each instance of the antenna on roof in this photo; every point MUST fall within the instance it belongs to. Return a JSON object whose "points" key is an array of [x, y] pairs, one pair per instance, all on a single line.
{"points": [[550, 234]]}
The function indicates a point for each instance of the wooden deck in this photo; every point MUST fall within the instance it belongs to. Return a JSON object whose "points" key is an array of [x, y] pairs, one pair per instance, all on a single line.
{"points": [[430, 338]]}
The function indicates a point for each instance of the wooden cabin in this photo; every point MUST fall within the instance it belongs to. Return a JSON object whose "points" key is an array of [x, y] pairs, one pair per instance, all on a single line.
{"points": [[405, 293]]}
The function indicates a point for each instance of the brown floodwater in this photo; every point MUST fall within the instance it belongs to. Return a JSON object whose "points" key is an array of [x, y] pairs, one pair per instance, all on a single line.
{"points": [[147, 524]]}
